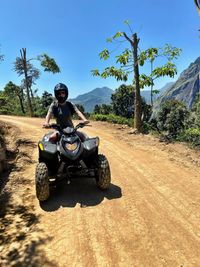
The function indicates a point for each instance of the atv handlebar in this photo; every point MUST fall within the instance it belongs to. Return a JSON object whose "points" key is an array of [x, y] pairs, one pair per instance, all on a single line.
{"points": [[52, 126], [81, 125], [57, 127]]}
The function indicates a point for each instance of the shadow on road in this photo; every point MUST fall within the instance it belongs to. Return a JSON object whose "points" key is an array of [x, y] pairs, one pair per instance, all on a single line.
{"points": [[18, 241], [17, 159], [79, 191], [22, 241]]}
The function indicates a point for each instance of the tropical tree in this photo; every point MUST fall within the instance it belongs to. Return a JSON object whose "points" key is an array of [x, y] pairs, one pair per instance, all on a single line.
{"points": [[4, 109], [129, 61], [104, 109], [194, 118], [23, 66], [48, 63], [169, 69], [172, 117], [123, 101], [97, 109], [46, 99], [197, 3], [12, 91]]}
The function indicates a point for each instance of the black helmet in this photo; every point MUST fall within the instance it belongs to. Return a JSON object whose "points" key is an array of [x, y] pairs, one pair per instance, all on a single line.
{"points": [[61, 87]]}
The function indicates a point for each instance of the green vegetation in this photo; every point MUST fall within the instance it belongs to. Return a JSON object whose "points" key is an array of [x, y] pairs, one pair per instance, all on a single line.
{"points": [[103, 109], [13, 101], [42, 104], [176, 123], [25, 68], [130, 60], [121, 109], [123, 101], [169, 69], [191, 131], [22, 99], [112, 118], [191, 135], [173, 120]]}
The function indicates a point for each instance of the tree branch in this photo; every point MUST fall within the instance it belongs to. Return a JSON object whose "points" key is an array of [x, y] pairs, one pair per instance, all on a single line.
{"points": [[127, 38]]}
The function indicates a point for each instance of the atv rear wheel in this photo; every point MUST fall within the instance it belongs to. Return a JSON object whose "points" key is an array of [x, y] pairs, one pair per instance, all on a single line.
{"points": [[103, 175], [42, 182]]}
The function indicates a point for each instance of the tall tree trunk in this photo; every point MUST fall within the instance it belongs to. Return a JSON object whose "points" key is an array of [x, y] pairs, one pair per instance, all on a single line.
{"points": [[151, 84], [138, 104], [23, 56], [22, 93], [32, 96], [21, 104]]}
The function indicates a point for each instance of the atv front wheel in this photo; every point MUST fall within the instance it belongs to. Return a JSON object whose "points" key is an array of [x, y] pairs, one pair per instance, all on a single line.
{"points": [[42, 182], [103, 176]]}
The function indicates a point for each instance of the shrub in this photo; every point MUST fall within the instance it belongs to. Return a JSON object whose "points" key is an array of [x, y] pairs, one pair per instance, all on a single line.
{"points": [[191, 135], [112, 118], [171, 117]]}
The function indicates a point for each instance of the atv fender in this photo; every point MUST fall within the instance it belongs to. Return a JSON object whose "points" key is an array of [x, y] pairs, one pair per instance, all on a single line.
{"points": [[47, 149], [90, 146], [91, 143]]}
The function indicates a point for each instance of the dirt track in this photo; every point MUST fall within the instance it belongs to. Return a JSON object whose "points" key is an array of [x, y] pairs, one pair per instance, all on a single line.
{"points": [[149, 217]]}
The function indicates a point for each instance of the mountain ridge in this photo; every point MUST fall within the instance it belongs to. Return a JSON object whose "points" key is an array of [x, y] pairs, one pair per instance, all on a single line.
{"points": [[97, 96], [186, 87]]}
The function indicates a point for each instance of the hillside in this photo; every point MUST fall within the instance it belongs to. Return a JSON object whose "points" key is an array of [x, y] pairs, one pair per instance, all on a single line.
{"points": [[147, 93], [97, 96], [185, 88]]}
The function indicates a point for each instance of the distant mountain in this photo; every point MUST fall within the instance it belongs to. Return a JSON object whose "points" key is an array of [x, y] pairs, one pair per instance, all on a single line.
{"points": [[185, 88], [147, 93], [97, 96]]}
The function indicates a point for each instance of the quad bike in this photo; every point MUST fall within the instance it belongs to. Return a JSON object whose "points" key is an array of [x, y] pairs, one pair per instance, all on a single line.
{"points": [[67, 158]]}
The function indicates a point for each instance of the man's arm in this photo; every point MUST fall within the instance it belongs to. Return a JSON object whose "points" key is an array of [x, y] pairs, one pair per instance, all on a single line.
{"points": [[47, 119], [80, 114], [48, 116]]}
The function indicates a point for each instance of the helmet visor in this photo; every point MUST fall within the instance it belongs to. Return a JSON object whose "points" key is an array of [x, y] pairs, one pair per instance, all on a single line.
{"points": [[61, 93]]}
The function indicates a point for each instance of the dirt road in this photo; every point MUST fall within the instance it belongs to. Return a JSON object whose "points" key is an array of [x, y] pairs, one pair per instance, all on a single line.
{"points": [[149, 217]]}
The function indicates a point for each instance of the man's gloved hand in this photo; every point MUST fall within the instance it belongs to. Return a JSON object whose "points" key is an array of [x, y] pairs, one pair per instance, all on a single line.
{"points": [[45, 125], [86, 122]]}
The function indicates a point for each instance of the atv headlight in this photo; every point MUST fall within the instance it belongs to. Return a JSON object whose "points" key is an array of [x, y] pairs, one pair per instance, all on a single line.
{"points": [[71, 147], [41, 146]]}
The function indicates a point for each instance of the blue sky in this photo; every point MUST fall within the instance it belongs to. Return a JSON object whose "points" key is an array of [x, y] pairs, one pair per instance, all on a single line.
{"points": [[74, 32]]}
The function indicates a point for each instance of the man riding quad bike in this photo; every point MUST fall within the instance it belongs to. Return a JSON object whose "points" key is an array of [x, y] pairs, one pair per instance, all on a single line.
{"points": [[68, 153]]}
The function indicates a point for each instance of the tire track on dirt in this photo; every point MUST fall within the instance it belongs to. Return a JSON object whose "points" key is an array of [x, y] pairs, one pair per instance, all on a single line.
{"points": [[171, 204]]}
